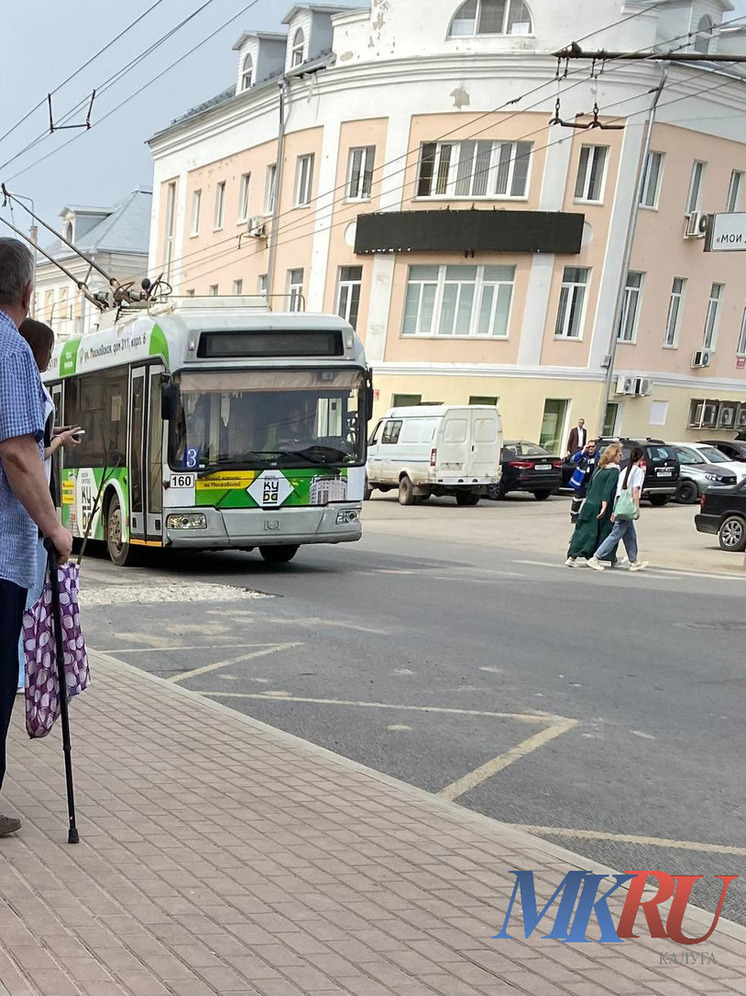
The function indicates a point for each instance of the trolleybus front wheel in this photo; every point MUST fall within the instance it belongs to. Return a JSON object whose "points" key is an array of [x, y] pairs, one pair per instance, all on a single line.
{"points": [[120, 553], [278, 554]]}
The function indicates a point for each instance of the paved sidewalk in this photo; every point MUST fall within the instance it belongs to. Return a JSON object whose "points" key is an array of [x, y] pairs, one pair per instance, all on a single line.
{"points": [[221, 856]]}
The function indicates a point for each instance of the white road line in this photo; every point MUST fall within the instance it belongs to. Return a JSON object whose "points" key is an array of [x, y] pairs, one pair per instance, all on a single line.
{"points": [[669, 572], [628, 838], [273, 649], [475, 778], [167, 650]]}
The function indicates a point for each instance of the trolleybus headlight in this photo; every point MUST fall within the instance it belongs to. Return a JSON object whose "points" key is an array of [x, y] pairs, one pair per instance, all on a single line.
{"points": [[346, 516], [187, 520]]}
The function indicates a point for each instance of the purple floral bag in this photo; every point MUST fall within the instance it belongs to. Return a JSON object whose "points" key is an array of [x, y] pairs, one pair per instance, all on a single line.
{"points": [[42, 683]]}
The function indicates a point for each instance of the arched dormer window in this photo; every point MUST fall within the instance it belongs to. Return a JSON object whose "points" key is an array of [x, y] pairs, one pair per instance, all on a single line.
{"points": [[298, 52], [247, 73], [69, 231], [491, 17], [704, 35]]}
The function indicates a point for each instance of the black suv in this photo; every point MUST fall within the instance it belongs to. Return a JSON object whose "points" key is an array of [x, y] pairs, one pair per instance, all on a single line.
{"points": [[723, 513], [661, 462]]}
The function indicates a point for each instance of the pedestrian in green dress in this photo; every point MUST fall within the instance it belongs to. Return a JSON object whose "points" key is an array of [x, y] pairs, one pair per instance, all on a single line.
{"points": [[594, 522]]}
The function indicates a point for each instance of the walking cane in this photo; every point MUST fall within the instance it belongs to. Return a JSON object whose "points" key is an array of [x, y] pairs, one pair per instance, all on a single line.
{"points": [[54, 580]]}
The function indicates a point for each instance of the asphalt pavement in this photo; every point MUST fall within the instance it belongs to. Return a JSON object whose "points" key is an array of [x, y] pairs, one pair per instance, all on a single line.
{"points": [[451, 649]]}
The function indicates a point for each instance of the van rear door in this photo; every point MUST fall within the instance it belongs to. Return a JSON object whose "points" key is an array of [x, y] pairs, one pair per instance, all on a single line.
{"points": [[486, 442], [454, 443]]}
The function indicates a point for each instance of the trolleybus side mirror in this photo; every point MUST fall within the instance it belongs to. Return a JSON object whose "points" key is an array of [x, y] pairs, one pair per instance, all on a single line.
{"points": [[369, 397], [169, 401]]}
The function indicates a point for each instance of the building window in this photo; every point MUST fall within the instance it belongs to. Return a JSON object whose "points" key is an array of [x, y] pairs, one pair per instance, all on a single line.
{"points": [[741, 348], [652, 180], [572, 302], [704, 35], [213, 290], [170, 226], [734, 191], [49, 305], [611, 418], [553, 424], [270, 193], [459, 300], [69, 231], [483, 399], [675, 310], [695, 187], [190, 292], [297, 55], [262, 284], [65, 311], [295, 290], [238, 286], [405, 401], [196, 209], [631, 308], [243, 198], [348, 293], [247, 73], [712, 321], [474, 169], [491, 17], [589, 185], [304, 180], [219, 205], [360, 173]]}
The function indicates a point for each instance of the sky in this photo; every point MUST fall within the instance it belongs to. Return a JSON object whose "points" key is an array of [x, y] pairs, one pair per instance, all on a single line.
{"points": [[47, 40]]}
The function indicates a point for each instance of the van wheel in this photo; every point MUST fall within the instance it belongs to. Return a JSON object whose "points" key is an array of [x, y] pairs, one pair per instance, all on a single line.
{"points": [[406, 491], [120, 553], [732, 534], [542, 495], [466, 498], [367, 491], [687, 492], [658, 501], [278, 554]]}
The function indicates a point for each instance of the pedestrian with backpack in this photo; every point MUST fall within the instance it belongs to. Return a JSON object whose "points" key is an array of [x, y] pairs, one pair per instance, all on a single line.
{"points": [[625, 514]]}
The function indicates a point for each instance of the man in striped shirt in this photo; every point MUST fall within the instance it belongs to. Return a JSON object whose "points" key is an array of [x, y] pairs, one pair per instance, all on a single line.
{"points": [[26, 507]]}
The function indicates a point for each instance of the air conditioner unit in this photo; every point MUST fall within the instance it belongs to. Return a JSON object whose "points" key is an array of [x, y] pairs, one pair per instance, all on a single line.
{"points": [[727, 415], [625, 385], [643, 387], [710, 414], [702, 358], [696, 414], [257, 227], [696, 225], [741, 418]]}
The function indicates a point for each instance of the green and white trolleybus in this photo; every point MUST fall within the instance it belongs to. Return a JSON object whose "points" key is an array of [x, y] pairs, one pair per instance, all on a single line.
{"points": [[214, 423]]}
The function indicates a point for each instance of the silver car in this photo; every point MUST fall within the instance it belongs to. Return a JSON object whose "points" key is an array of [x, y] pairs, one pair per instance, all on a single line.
{"points": [[702, 468]]}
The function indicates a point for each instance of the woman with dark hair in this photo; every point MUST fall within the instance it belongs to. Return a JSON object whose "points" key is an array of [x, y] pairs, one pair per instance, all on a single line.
{"points": [[41, 340], [626, 511], [594, 521]]}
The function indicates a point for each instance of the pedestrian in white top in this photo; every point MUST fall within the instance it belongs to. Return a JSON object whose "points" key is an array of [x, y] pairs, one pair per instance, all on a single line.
{"points": [[629, 492]]}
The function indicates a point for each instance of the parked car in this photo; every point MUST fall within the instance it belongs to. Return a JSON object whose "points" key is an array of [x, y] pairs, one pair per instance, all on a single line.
{"points": [[702, 467], [662, 468], [436, 450], [734, 449], [723, 513], [528, 467]]}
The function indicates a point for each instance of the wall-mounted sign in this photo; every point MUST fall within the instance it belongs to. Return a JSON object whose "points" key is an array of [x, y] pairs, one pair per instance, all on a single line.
{"points": [[726, 232]]}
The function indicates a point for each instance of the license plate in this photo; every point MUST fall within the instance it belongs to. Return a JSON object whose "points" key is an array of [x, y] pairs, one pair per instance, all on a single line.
{"points": [[543, 466], [665, 472]]}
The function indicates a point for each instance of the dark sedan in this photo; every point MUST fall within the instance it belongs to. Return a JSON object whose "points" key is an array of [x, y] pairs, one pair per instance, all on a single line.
{"points": [[723, 513], [528, 467]]}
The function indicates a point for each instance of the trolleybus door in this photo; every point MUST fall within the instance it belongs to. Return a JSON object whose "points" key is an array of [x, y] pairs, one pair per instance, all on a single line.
{"points": [[146, 455]]}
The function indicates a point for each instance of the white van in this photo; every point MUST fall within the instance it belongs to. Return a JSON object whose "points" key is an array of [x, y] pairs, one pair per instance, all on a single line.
{"points": [[436, 450]]}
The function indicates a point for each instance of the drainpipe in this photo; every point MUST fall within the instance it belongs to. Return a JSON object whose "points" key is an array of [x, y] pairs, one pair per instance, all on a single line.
{"points": [[628, 247], [278, 190]]}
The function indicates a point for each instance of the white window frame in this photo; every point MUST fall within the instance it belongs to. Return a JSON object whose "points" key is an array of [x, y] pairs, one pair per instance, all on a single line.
{"points": [[304, 170], [448, 162], [295, 288], [298, 51], [675, 313], [651, 191], [631, 307], [219, 219], [480, 284], [247, 72], [238, 287], [196, 211], [170, 225], [262, 282], [361, 163], [508, 21], [244, 190], [712, 317], [270, 189], [696, 182], [704, 35], [569, 292], [588, 171], [348, 294], [734, 190], [213, 290]]}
